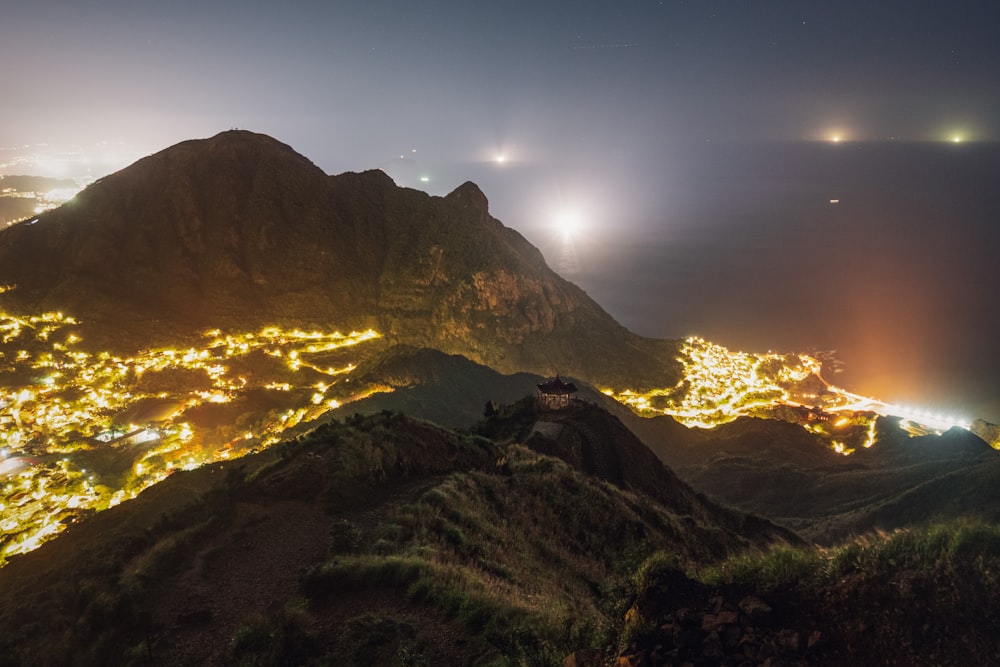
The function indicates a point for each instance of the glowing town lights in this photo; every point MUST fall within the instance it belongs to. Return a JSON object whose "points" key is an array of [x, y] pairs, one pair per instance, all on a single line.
{"points": [[59, 400], [278, 386], [870, 436], [841, 448], [718, 385]]}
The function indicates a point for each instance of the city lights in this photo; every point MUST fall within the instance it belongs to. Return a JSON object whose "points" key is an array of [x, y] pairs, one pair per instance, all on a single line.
{"points": [[719, 385], [60, 403]]}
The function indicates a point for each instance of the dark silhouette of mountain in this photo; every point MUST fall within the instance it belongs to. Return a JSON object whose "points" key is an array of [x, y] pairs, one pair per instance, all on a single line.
{"points": [[241, 231], [447, 389], [791, 476]]}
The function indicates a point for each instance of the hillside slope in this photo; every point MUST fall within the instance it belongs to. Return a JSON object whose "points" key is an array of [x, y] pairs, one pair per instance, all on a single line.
{"points": [[791, 476], [362, 543], [915, 597]]}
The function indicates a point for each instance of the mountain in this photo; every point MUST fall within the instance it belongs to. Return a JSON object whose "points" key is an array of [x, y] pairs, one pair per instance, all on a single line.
{"points": [[379, 540], [361, 535], [447, 389], [240, 231], [783, 472]]}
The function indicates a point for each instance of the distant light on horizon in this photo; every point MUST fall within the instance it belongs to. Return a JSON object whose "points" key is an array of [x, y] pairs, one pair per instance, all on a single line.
{"points": [[76, 162]]}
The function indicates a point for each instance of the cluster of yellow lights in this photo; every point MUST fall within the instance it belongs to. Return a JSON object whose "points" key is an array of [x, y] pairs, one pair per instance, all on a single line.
{"points": [[44, 201], [58, 402], [719, 385]]}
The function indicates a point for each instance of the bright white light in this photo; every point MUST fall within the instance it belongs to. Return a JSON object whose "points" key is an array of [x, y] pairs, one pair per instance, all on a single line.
{"points": [[569, 223], [500, 159]]}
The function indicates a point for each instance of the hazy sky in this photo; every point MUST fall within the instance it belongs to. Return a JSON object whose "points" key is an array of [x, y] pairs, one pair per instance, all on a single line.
{"points": [[589, 103], [355, 83], [612, 113]]}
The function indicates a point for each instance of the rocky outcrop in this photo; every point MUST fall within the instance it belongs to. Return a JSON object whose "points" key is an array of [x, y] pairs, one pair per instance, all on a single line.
{"points": [[990, 433], [678, 621]]}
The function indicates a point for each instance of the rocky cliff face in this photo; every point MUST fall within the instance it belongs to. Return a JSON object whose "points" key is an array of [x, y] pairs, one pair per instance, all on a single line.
{"points": [[241, 231]]}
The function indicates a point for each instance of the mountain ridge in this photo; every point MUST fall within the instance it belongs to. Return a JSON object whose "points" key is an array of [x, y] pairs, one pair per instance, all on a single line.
{"points": [[239, 230]]}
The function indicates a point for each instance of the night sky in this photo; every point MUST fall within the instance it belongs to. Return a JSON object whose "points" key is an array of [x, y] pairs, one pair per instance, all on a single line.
{"points": [[691, 143]]}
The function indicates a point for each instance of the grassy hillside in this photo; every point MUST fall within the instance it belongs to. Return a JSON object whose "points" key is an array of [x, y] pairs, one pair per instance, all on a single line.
{"points": [[913, 597], [769, 468], [379, 540]]}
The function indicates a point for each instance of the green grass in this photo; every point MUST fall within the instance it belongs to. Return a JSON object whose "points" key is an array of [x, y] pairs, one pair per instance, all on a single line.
{"points": [[956, 549], [284, 638]]}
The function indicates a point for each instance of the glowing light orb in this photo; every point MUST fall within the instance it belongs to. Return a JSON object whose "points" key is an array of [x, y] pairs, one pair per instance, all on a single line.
{"points": [[835, 138], [569, 223], [956, 139], [500, 159]]}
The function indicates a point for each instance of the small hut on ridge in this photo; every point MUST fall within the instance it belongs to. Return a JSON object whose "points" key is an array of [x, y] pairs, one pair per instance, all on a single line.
{"points": [[555, 394]]}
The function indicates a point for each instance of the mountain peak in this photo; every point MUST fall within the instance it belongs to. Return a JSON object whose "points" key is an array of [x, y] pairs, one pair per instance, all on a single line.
{"points": [[237, 140], [238, 152], [469, 194]]}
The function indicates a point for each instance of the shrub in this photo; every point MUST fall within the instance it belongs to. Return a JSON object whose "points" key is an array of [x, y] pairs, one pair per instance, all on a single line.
{"points": [[345, 538], [375, 639], [281, 640], [782, 565]]}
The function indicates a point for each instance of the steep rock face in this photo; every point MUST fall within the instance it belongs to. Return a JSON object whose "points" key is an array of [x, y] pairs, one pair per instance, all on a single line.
{"points": [[241, 231]]}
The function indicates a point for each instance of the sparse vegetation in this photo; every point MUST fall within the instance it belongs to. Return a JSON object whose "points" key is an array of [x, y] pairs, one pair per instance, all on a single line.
{"points": [[432, 547], [957, 549], [523, 557]]}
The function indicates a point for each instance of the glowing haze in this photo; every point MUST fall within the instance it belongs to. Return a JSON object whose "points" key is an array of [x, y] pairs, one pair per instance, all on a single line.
{"points": [[646, 147]]}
